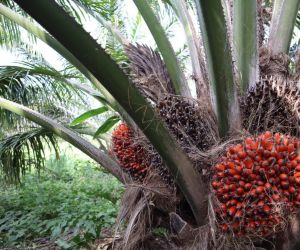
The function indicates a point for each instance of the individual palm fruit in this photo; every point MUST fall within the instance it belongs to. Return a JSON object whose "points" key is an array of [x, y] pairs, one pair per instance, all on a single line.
{"points": [[271, 105], [129, 153], [191, 125], [257, 184]]}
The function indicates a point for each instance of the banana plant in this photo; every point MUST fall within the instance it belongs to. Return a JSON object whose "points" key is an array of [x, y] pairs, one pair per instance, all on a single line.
{"points": [[244, 97]]}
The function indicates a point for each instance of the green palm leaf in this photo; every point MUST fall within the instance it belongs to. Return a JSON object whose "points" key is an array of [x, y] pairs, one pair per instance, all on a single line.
{"points": [[88, 115], [53, 43], [25, 150], [101, 13], [107, 125], [11, 35]]}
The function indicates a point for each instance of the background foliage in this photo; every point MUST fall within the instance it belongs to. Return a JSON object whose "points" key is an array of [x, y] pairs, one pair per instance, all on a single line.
{"points": [[71, 199]]}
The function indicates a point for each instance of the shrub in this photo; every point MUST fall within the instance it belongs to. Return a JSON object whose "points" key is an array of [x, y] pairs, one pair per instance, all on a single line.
{"points": [[70, 197]]}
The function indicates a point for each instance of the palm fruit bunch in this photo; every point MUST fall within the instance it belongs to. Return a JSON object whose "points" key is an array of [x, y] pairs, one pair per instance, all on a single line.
{"points": [[129, 153], [137, 156], [190, 124], [155, 163], [271, 105], [190, 127], [257, 184]]}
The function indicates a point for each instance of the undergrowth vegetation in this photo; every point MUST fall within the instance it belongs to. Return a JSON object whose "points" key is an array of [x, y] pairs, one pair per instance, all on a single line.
{"points": [[69, 204]]}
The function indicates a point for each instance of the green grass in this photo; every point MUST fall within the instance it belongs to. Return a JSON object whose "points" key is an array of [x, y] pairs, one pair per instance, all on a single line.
{"points": [[71, 197]]}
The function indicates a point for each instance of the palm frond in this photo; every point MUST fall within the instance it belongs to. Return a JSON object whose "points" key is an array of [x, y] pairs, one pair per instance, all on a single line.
{"points": [[73, 10], [194, 46], [214, 29], [245, 41], [102, 18], [24, 151], [104, 11], [11, 35], [106, 8], [34, 29], [297, 24], [36, 85], [29, 84], [37, 74]]}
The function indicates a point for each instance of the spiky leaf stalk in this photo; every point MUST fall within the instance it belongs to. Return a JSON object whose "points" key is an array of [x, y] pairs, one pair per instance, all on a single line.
{"points": [[178, 79], [212, 21], [93, 57], [282, 25], [68, 135], [245, 41], [193, 44]]}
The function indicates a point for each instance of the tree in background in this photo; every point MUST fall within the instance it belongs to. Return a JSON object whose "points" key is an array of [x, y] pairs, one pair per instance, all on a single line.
{"points": [[219, 168]]}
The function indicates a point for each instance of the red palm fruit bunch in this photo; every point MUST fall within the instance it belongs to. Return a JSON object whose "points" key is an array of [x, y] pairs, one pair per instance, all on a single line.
{"points": [[129, 153], [257, 184]]}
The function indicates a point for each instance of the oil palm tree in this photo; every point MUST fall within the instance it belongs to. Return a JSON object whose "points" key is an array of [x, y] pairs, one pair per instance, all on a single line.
{"points": [[220, 167]]}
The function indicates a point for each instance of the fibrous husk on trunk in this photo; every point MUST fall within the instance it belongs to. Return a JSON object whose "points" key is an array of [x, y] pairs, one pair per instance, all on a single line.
{"points": [[297, 67], [192, 125], [260, 22], [273, 65], [263, 19], [143, 208]]}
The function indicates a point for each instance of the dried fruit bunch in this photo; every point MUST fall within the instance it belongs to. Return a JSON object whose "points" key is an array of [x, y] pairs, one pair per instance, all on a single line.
{"points": [[129, 153], [271, 105], [189, 124], [257, 184]]}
